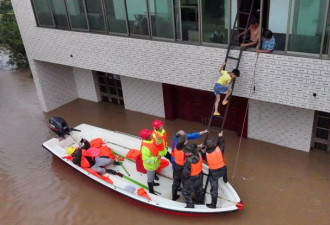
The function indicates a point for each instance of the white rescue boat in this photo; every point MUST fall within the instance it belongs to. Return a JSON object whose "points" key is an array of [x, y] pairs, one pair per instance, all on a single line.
{"points": [[121, 143]]}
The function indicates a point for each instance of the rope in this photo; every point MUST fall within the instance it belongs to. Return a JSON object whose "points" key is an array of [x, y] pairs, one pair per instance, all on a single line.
{"points": [[252, 88]]}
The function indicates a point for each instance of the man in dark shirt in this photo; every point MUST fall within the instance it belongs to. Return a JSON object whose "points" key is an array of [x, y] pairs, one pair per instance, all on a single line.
{"points": [[214, 155], [192, 176]]}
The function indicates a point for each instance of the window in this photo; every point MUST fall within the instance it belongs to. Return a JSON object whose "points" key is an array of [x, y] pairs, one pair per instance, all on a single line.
{"points": [[137, 17], [110, 88], [189, 20], [215, 21], [177, 18], [161, 14], [278, 22], [59, 13], [321, 132], [77, 14], [326, 44], [43, 13], [307, 25], [116, 16], [95, 15]]}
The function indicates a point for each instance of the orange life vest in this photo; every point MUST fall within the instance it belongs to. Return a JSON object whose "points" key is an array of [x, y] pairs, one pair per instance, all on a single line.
{"points": [[84, 163], [159, 139], [151, 146], [215, 159], [196, 168], [179, 157]]}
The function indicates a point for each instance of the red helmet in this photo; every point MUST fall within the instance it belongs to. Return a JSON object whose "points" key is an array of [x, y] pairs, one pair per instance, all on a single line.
{"points": [[145, 133], [157, 124]]}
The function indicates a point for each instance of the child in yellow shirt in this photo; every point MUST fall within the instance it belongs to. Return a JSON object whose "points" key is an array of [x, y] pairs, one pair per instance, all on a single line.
{"points": [[220, 87]]}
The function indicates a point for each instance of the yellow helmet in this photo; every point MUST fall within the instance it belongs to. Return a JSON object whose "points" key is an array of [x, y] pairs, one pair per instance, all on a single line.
{"points": [[70, 150]]}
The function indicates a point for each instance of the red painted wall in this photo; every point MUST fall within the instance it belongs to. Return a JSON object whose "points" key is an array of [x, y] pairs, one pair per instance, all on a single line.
{"points": [[196, 105]]}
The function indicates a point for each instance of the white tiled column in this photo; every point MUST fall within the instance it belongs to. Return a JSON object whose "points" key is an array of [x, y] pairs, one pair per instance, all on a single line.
{"points": [[87, 87], [55, 84], [279, 124], [143, 96]]}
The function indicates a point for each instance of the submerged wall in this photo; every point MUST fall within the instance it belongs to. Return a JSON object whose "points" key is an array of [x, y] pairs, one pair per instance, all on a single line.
{"points": [[282, 125]]}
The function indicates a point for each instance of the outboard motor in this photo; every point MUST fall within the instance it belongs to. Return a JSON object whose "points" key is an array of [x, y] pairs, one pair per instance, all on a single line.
{"points": [[59, 126]]}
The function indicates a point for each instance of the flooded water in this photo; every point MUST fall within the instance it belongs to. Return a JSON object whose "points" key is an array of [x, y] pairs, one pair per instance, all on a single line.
{"points": [[278, 185]]}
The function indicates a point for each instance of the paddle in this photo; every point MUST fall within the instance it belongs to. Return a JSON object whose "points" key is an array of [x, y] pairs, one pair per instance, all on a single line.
{"points": [[129, 179]]}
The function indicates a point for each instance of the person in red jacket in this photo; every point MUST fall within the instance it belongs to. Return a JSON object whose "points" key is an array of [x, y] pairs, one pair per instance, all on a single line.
{"points": [[84, 159]]}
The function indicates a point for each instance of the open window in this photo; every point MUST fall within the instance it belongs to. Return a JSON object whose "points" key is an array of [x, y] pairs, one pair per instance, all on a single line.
{"points": [[272, 15]]}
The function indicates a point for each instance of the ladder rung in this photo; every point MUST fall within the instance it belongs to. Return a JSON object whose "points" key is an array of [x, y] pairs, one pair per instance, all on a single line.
{"points": [[218, 117], [214, 130], [231, 57], [244, 13], [240, 28]]}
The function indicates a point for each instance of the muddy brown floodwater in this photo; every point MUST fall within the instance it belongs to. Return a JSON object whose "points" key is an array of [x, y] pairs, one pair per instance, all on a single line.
{"points": [[278, 185]]}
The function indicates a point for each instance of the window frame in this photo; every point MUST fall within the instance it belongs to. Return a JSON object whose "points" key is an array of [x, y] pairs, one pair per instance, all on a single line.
{"points": [[291, 18], [229, 30], [148, 36], [314, 139], [37, 18], [67, 17], [173, 23], [86, 16], [106, 20]]}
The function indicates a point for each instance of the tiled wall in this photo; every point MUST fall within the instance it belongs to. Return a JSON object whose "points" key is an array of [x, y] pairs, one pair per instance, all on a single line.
{"points": [[280, 79], [86, 85], [143, 96], [55, 84], [282, 125]]}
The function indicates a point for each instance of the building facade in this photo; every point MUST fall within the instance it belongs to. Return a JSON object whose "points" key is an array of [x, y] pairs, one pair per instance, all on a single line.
{"points": [[143, 48]]}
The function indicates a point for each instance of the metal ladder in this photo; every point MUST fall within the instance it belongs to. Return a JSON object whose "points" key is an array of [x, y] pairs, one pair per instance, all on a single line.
{"points": [[231, 45], [238, 59]]}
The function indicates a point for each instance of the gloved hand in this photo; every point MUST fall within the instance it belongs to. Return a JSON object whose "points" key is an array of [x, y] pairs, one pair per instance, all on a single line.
{"points": [[116, 163]]}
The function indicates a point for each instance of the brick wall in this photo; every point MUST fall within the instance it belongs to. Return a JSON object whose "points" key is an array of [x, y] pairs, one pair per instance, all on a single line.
{"points": [[279, 124], [143, 96]]}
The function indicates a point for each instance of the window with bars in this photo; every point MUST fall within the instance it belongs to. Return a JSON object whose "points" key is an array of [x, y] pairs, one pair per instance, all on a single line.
{"points": [[321, 132], [110, 88]]}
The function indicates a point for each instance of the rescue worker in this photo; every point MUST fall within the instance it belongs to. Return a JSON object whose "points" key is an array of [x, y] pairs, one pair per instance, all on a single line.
{"points": [[192, 136], [159, 136], [214, 156], [150, 158], [192, 176], [178, 165], [84, 159], [179, 141]]}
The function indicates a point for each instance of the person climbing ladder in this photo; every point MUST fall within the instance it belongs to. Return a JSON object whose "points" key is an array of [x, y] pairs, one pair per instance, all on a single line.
{"points": [[220, 87]]}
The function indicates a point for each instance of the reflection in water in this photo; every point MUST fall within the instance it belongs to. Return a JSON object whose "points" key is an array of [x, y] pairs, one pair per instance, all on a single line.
{"points": [[38, 188]]}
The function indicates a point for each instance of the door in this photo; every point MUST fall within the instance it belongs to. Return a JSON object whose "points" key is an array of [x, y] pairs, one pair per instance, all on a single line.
{"points": [[196, 105]]}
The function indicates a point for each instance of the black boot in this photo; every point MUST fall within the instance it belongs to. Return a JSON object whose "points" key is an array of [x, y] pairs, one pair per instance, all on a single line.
{"points": [[175, 195], [213, 204], [168, 156], [190, 205], [199, 200], [151, 188], [155, 184], [156, 177]]}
